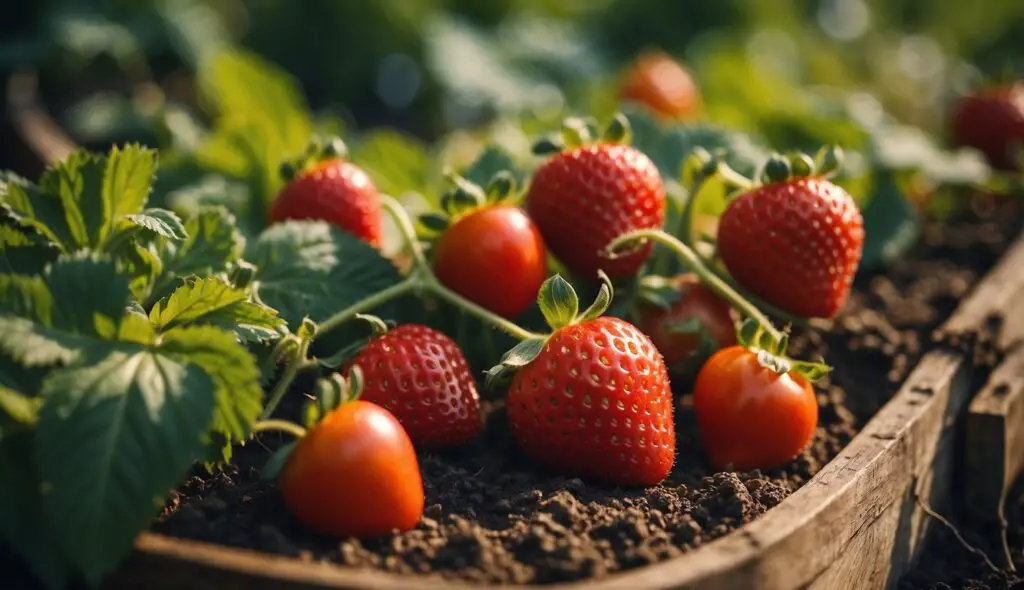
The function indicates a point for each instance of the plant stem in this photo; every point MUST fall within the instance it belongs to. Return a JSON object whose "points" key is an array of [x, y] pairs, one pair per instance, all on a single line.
{"points": [[280, 426], [432, 285], [290, 371], [406, 229], [707, 276], [381, 297]]}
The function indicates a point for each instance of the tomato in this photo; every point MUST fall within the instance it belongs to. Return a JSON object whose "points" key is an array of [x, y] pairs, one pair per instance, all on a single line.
{"points": [[696, 302], [354, 474], [662, 84], [748, 415], [495, 257]]}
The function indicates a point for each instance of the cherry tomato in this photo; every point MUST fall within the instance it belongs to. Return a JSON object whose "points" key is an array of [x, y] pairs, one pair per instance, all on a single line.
{"points": [[495, 257], [354, 474], [662, 84], [748, 415], [696, 301]]}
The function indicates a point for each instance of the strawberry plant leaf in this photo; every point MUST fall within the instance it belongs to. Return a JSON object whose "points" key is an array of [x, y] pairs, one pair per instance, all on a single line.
{"points": [[308, 268], [17, 411], [160, 222], [891, 224], [30, 206], [24, 527], [89, 295], [272, 468], [117, 431], [558, 302], [127, 180], [77, 182], [396, 162], [213, 301], [235, 375], [490, 162]]}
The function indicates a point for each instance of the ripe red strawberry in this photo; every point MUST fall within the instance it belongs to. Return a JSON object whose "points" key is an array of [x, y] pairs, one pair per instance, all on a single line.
{"points": [[327, 187], [992, 121], [583, 197], [421, 376], [794, 242], [592, 399]]}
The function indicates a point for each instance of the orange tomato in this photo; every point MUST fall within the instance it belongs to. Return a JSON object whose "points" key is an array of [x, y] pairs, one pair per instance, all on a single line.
{"points": [[354, 474], [748, 415]]}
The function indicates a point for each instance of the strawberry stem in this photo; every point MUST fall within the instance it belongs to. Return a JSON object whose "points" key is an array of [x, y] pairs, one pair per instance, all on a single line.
{"points": [[280, 426], [706, 275], [295, 364]]}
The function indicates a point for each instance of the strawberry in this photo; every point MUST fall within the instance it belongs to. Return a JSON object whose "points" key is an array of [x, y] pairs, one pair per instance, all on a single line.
{"points": [[323, 185], [795, 241], [584, 196], [663, 85], [591, 399], [421, 376], [993, 122]]}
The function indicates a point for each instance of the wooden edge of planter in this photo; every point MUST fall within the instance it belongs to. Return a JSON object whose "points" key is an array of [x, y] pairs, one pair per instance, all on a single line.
{"points": [[994, 454], [858, 523], [33, 125]]}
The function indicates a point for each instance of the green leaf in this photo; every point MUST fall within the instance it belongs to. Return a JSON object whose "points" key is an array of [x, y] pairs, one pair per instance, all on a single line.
{"points": [[492, 161], [810, 371], [236, 378], [78, 184], [118, 430], [24, 526], [558, 302], [127, 180], [602, 301], [43, 212], [213, 301], [33, 345], [309, 268], [891, 224], [89, 295], [161, 222], [518, 356], [212, 244], [272, 468], [396, 163]]}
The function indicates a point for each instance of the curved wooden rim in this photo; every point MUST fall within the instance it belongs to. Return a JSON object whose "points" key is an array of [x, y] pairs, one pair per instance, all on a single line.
{"points": [[895, 461]]}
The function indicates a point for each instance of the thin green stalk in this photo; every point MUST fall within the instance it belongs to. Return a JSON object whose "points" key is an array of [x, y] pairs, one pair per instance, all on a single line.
{"points": [[407, 284], [290, 371], [707, 276], [510, 328], [280, 426]]}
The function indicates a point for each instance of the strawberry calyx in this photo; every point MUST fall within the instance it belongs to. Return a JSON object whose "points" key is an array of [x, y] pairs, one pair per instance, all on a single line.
{"points": [[465, 197], [317, 152], [578, 132], [771, 352], [781, 168], [560, 306]]}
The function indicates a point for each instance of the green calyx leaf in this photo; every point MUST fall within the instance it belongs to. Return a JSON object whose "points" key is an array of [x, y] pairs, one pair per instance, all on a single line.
{"points": [[547, 146], [829, 160], [433, 222], [307, 329], [771, 352], [776, 169], [317, 151], [518, 356], [619, 130], [466, 194], [378, 326], [602, 301], [558, 302], [576, 132], [501, 186], [801, 165]]}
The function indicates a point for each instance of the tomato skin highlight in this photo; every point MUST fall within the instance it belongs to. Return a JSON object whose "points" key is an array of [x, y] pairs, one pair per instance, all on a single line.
{"points": [[749, 416], [695, 301], [354, 474], [495, 257]]}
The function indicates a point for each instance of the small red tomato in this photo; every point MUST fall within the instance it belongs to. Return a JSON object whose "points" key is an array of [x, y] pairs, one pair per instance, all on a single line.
{"points": [[663, 85], [748, 415], [354, 474], [696, 302], [495, 257], [992, 121]]}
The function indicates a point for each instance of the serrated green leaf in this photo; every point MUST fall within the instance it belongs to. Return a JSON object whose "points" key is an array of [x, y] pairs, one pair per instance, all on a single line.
{"points": [[396, 162], [235, 376], [34, 345], [161, 222], [24, 526], [127, 180], [77, 181], [89, 295], [309, 268], [213, 301], [43, 212], [118, 430], [558, 302], [30, 259]]}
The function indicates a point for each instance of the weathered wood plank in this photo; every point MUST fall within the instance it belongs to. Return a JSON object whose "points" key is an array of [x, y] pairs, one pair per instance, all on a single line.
{"points": [[994, 453]]}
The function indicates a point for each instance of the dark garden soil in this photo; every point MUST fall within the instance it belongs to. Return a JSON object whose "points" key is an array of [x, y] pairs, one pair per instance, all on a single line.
{"points": [[492, 518], [948, 564]]}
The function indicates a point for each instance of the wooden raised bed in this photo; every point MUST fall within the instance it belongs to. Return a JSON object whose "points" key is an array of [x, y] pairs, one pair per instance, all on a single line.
{"points": [[858, 523]]}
